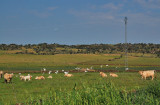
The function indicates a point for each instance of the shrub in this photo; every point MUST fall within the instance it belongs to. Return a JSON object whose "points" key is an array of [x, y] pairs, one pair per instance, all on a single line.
{"points": [[154, 89]]}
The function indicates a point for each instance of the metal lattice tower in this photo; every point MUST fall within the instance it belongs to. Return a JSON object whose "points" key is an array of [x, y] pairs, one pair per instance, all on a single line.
{"points": [[126, 47]]}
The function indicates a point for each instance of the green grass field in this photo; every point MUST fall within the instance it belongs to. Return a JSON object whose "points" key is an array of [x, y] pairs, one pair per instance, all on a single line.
{"points": [[20, 91], [19, 62]]}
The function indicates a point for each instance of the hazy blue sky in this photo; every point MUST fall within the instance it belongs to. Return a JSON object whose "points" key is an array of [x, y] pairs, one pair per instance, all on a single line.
{"points": [[79, 21]]}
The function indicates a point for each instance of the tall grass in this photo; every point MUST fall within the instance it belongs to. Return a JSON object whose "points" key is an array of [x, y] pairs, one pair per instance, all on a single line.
{"points": [[99, 94]]}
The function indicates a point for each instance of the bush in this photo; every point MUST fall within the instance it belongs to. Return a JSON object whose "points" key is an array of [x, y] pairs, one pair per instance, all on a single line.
{"points": [[154, 89]]}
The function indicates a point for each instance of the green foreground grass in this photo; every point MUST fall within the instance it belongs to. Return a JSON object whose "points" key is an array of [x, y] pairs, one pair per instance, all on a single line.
{"points": [[29, 91]]}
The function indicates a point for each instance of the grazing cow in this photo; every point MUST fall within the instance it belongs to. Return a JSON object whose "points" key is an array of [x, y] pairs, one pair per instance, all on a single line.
{"points": [[43, 71], [68, 75], [40, 77], [149, 73], [49, 76], [21, 77], [91, 70], [102, 74], [56, 72], [49, 72], [1, 74], [113, 75], [83, 69], [140, 72], [65, 72], [8, 77], [25, 77]]}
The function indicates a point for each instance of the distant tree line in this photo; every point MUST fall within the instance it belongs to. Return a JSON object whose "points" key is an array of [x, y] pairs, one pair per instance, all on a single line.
{"points": [[51, 49]]}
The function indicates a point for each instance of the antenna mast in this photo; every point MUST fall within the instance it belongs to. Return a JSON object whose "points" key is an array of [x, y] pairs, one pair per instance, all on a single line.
{"points": [[126, 47]]}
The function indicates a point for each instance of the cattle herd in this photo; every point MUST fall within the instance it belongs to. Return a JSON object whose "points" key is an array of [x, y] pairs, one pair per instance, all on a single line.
{"points": [[8, 77]]}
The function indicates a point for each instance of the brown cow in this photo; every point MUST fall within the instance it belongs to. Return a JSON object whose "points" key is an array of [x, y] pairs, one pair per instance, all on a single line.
{"points": [[68, 75], [8, 77], [149, 73], [1, 74], [83, 69], [113, 75], [102, 74], [40, 77], [91, 70]]}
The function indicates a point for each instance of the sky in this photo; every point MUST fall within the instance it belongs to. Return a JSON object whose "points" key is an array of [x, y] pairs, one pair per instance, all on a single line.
{"points": [[74, 22]]}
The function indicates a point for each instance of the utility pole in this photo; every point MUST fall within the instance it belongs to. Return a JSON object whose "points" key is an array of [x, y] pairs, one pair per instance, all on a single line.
{"points": [[126, 47]]}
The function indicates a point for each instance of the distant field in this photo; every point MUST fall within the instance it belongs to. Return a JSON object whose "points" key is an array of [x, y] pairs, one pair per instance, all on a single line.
{"points": [[20, 91], [18, 62]]}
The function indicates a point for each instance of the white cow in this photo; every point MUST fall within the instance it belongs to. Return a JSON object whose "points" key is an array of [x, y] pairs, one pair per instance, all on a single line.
{"points": [[26, 77], [65, 72], [56, 72], [49, 72], [49, 76], [149, 73]]}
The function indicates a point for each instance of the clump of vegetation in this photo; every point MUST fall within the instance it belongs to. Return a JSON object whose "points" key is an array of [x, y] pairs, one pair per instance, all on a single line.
{"points": [[149, 95], [100, 94], [154, 89]]}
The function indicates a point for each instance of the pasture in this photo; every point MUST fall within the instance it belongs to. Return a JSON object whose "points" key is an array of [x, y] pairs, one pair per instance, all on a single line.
{"points": [[20, 91], [23, 92], [28, 62]]}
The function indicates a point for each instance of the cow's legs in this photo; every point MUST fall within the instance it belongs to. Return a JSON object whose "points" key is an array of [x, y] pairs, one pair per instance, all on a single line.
{"points": [[152, 77]]}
